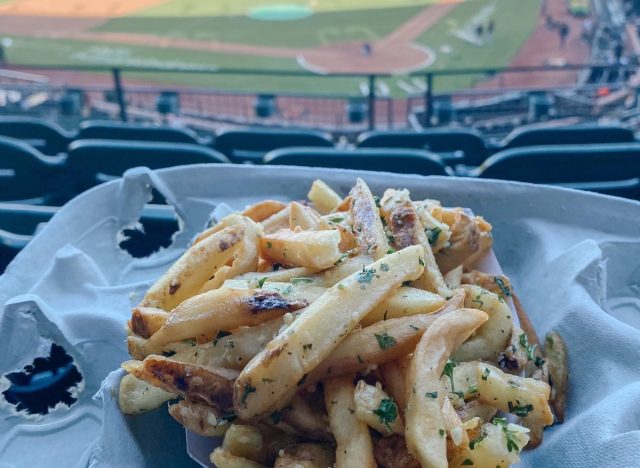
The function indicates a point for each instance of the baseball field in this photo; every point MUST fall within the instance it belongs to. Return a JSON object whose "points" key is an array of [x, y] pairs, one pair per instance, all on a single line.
{"points": [[319, 36]]}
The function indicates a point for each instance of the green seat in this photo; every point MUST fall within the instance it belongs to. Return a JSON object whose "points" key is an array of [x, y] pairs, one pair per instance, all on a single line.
{"points": [[107, 130], [402, 161], [612, 169], [251, 145], [26, 175], [92, 162], [44, 136], [571, 135], [455, 146]]}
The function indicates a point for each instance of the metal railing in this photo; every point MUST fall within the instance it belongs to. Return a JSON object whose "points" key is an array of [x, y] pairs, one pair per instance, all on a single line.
{"points": [[489, 95]]}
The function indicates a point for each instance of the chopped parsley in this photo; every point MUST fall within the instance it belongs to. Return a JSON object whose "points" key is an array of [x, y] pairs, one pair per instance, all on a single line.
{"points": [[520, 410], [505, 290], [472, 389], [476, 441], [269, 245], [407, 283], [433, 234], [512, 445], [385, 341], [448, 371], [366, 275], [467, 462], [459, 394], [384, 267], [221, 334], [441, 432], [420, 261], [376, 201], [478, 300], [539, 361], [530, 349], [390, 239], [340, 286], [307, 346], [168, 353], [485, 374], [261, 282], [336, 219], [387, 412], [413, 327], [431, 395], [301, 280], [390, 251], [246, 391], [287, 290], [190, 342]]}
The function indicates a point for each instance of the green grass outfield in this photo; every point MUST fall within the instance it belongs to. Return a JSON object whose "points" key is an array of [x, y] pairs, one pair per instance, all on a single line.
{"points": [[515, 19]]}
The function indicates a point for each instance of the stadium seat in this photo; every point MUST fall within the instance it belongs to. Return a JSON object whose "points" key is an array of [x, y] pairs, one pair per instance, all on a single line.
{"points": [[251, 145], [612, 169], [107, 130], [26, 175], [91, 162], [404, 161], [573, 135], [455, 146], [46, 137]]}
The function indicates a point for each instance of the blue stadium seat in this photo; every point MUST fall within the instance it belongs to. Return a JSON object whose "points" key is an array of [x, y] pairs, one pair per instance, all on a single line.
{"points": [[455, 146], [612, 169], [404, 161], [46, 137], [91, 162], [250, 145], [108, 130], [572, 135], [26, 175]]}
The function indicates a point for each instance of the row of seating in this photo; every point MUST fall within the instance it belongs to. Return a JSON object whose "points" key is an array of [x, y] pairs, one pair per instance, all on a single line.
{"points": [[27, 176], [455, 146]]}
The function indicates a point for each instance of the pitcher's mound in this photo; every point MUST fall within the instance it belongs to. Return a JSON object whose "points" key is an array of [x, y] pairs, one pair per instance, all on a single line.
{"points": [[358, 57]]}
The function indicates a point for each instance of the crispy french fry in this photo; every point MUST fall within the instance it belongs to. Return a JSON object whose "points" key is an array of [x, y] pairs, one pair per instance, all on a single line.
{"points": [[403, 222], [306, 456], [521, 396], [221, 458], [453, 424], [204, 315], [137, 347], [403, 302], [494, 445], [277, 221], [345, 267], [323, 197], [199, 263], [376, 409], [394, 376], [209, 384], [299, 289], [271, 378], [354, 446], [137, 396], [305, 217], [425, 428], [281, 275], [313, 249], [475, 409], [453, 279], [245, 441], [555, 351], [264, 209], [368, 229], [201, 418], [145, 321]]}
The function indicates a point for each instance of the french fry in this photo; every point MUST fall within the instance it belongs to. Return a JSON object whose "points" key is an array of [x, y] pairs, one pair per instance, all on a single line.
{"points": [[253, 280], [204, 315], [264, 209], [277, 221], [555, 351], [453, 424], [403, 222], [305, 217], [205, 420], [209, 384], [354, 446], [392, 452], [138, 349], [453, 279], [137, 396], [475, 409], [306, 456], [376, 409], [345, 267], [312, 424], [424, 428], [437, 232], [460, 384], [323, 197], [271, 378], [145, 321], [191, 271], [394, 376], [521, 396], [245, 441], [404, 302], [368, 229], [299, 289], [221, 458], [313, 249], [494, 445]]}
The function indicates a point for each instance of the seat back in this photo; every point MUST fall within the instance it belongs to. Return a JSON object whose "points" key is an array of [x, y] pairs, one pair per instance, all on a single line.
{"points": [[402, 161], [24, 219], [455, 146], [44, 136], [25, 174], [91, 162], [612, 168], [250, 145], [107, 130], [572, 135]]}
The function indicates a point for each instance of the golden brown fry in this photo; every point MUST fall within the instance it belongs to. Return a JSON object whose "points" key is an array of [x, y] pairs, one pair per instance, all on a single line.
{"points": [[306, 420], [245, 441], [354, 447], [403, 302], [204, 315], [264, 209], [305, 217], [221, 458], [269, 381], [196, 266], [312, 249], [437, 232], [403, 222], [306, 456], [345, 267], [208, 384], [200, 418], [279, 220], [394, 376], [497, 284], [453, 424], [145, 321], [367, 226], [136, 396], [369, 401], [280, 275], [323, 197], [555, 351], [425, 428]]}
